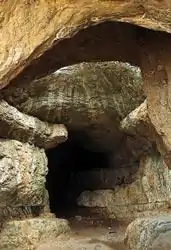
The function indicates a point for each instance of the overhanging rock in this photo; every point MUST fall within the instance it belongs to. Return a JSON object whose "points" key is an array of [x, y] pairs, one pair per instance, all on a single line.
{"points": [[29, 28]]}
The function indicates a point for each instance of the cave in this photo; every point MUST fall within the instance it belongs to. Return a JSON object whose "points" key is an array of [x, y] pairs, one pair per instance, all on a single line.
{"points": [[68, 164], [98, 163], [85, 116], [80, 157]]}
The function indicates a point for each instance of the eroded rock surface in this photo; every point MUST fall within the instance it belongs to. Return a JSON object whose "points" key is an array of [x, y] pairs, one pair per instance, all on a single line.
{"points": [[138, 140], [87, 97], [108, 178], [28, 29], [44, 23], [156, 72], [151, 233], [23, 169], [149, 192], [25, 128], [27, 234], [137, 122]]}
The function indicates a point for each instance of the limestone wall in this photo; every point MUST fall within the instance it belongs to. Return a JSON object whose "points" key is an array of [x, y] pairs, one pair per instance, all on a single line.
{"points": [[39, 37]]}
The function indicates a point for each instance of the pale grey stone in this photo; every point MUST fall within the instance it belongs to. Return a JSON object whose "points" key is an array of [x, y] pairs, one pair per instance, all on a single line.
{"points": [[152, 233], [87, 97], [23, 169]]}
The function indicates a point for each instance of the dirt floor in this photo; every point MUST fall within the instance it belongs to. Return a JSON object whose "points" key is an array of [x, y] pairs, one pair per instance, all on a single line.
{"points": [[90, 232], [109, 232]]}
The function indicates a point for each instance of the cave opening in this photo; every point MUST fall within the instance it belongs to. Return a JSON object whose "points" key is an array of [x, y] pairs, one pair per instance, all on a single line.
{"points": [[69, 165]]}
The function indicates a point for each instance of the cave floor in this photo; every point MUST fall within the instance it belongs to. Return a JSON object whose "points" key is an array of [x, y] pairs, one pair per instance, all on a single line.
{"points": [[90, 232], [100, 230]]}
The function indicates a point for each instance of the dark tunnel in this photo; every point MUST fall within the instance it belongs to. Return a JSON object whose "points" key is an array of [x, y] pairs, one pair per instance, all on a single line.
{"points": [[65, 162]]}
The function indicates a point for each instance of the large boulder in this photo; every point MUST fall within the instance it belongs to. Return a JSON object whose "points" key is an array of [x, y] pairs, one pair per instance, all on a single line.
{"points": [[149, 233], [89, 98], [29, 233], [25, 128], [23, 169]]}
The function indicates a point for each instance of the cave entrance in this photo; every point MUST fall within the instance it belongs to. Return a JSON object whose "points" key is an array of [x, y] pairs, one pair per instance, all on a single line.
{"points": [[103, 42], [70, 164]]}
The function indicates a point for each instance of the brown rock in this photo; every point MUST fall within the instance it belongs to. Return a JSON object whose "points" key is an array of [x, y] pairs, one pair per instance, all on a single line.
{"points": [[43, 23], [156, 72], [29, 233], [136, 122], [139, 137]]}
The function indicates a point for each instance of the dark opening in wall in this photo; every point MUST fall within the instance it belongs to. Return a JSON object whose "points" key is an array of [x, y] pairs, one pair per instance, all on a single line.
{"points": [[65, 163], [107, 41]]}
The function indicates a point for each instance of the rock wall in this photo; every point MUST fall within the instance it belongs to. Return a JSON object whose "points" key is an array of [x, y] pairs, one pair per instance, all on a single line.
{"points": [[27, 234], [89, 97], [148, 193], [34, 32], [22, 167], [49, 22], [117, 122], [16, 125], [156, 74], [149, 233]]}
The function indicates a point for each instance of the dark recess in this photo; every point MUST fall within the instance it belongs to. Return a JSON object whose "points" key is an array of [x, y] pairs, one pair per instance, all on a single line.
{"points": [[64, 163]]}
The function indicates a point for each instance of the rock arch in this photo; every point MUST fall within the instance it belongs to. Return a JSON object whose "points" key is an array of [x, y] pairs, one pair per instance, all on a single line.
{"points": [[40, 36]]}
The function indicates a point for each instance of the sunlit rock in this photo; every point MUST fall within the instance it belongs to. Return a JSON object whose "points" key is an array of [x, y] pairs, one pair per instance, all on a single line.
{"points": [[89, 98], [27, 234], [23, 170]]}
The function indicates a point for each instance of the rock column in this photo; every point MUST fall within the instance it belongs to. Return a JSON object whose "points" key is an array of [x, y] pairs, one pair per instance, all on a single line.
{"points": [[156, 69]]}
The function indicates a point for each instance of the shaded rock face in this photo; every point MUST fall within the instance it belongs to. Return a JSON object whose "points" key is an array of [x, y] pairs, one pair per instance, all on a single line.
{"points": [[156, 71], [139, 139], [148, 193], [89, 97], [90, 45]]}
